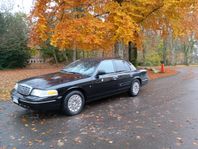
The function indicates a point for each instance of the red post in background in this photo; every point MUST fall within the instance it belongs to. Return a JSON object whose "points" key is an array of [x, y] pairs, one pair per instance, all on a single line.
{"points": [[162, 67]]}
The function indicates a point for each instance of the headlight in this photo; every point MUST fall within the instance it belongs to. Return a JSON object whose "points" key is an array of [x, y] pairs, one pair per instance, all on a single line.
{"points": [[44, 93], [16, 86]]}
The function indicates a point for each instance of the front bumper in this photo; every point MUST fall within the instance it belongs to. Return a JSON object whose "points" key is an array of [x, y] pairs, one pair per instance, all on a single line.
{"points": [[40, 104]]}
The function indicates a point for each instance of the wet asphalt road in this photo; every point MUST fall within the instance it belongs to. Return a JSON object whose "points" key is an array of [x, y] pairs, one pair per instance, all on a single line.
{"points": [[163, 116]]}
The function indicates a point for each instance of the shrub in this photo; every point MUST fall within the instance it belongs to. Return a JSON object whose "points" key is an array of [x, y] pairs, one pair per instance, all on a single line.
{"points": [[13, 58], [13, 36], [152, 59]]}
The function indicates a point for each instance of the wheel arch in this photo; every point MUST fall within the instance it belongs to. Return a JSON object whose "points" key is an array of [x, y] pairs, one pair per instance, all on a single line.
{"points": [[139, 79], [76, 89]]}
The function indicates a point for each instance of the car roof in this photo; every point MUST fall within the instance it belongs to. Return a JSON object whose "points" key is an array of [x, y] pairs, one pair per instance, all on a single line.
{"points": [[99, 59]]}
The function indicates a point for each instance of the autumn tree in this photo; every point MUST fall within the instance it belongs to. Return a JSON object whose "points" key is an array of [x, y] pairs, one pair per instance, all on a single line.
{"points": [[107, 25], [69, 24]]}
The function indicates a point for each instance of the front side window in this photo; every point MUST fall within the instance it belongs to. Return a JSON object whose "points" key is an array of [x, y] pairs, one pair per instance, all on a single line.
{"points": [[106, 66], [82, 67]]}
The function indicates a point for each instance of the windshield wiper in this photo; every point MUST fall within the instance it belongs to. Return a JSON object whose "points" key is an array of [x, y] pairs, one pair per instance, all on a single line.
{"points": [[64, 70], [70, 71], [74, 72]]}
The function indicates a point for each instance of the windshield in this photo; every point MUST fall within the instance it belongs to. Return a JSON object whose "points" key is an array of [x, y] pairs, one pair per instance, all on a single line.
{"points": [[82, 67]]}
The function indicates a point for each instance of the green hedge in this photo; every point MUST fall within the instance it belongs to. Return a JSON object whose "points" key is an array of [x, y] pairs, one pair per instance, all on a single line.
{"points": [[13, 58]]}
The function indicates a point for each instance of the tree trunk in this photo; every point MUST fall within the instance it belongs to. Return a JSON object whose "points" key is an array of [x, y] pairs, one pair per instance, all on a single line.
{"points": [[132, 53], [164, 51], [144, 55], [190, 51], [74, 53], [173, 56], [65, 56], [119, 49], [186, 55], [126, 52], [55, 57], [172, 47], [186, 59]]}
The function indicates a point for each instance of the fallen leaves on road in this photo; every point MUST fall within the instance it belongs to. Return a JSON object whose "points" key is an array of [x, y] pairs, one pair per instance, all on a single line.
{"points": [[195, 143], [138, 137], [170, 71], [179, 141], [77, 140], [60, 143]]}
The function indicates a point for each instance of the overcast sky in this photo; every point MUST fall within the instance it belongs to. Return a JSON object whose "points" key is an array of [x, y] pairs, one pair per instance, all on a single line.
{"points": [[16, 5], [23, 5]]}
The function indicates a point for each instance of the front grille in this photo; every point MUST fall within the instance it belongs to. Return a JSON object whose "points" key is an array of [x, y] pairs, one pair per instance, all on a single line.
{"points": [[24, 89]]}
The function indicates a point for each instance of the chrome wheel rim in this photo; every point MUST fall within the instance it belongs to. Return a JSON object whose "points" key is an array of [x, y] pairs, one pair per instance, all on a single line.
{"points": [[136, 88], [75, 103]]}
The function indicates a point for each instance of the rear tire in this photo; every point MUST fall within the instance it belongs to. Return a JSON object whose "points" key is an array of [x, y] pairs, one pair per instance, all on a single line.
{"points": [[135, 88], [73, 103]]}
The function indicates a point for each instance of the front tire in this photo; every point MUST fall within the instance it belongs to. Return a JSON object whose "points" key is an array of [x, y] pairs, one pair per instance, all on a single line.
{"points": [[135, 88], [73, 103]]}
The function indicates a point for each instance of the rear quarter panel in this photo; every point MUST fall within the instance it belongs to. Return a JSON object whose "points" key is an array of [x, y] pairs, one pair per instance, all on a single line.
{"points": [[142, 75]]}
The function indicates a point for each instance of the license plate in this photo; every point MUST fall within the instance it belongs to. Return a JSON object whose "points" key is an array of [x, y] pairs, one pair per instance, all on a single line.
{"points": [[15, 100]]}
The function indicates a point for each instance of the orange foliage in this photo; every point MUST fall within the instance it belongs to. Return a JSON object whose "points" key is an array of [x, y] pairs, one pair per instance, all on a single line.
{"points": [[98, 24]]}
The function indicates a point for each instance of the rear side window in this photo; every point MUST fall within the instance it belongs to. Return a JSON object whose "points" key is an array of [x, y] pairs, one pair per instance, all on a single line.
{"points": [[132, 67], [106, 66], [121, 66]]}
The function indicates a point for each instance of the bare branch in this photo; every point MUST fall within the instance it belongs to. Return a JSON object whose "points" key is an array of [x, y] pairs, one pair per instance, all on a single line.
{"points": [[150, 13]]}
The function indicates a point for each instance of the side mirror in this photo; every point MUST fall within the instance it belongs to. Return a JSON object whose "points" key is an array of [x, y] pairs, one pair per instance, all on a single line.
{"points": [[100, 72]]}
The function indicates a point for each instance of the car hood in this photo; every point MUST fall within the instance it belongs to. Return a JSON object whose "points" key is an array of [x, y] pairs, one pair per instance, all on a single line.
{"points": [[49, 80]]}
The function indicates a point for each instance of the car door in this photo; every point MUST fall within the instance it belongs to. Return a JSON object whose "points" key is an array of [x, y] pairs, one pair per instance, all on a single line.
{"points": [[104, 85], [124, 77]]}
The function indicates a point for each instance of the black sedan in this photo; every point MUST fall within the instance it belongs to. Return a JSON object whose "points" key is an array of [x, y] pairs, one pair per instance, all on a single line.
{"points": [[80, 82]]}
